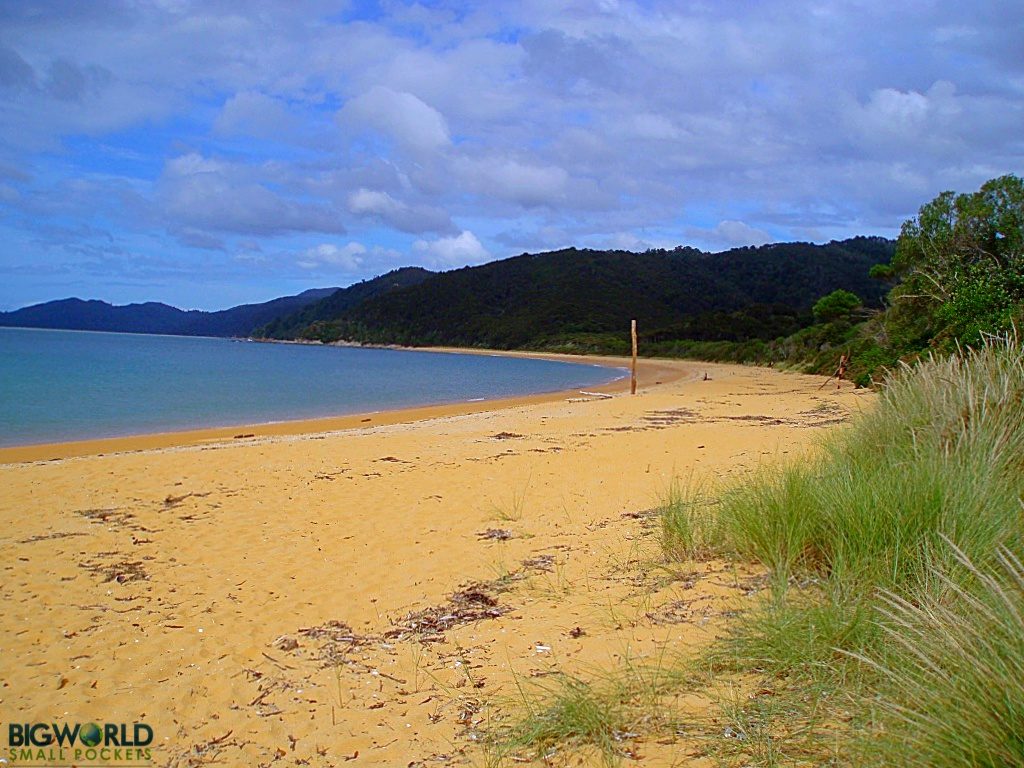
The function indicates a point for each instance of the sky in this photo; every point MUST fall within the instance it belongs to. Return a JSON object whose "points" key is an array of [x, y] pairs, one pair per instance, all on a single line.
{"points": [[213, 153]]}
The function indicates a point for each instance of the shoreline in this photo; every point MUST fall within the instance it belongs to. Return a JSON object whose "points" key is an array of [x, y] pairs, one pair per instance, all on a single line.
{"points": [[653, 370]]}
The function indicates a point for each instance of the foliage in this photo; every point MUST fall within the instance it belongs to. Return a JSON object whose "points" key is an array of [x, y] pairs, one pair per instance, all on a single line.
{"points": [[597, 718], [571, 710], [938, 456], [881, 272], [688, 523], [961, 261]]}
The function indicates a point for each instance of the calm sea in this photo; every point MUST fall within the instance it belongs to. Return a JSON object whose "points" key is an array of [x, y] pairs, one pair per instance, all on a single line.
{"points": [[72, 385]]}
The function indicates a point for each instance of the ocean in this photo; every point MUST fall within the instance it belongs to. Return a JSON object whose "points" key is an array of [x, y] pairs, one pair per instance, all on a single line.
{"points": [[75, 385]]}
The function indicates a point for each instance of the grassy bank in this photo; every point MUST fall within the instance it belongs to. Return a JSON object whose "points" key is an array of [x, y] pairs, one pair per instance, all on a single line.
{"points": [[889, 553], [892, 632]]}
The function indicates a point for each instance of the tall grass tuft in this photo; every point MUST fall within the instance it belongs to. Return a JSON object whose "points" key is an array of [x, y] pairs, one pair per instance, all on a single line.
{"points": [[941, 456], [570, 711], [599, 715], [897, 600], [689, 529], [952, 689]]}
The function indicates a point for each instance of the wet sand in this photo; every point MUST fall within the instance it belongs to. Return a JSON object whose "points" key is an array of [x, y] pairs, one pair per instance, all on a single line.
{"points": [[323, 589]]}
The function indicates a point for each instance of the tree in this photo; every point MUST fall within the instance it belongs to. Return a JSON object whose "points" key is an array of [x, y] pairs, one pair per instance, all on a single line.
{"points": [[883, 272], [838, 305], [962, 263]]}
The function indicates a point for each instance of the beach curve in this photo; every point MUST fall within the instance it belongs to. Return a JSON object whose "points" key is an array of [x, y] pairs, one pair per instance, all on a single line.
{"points": [[290, 591]]}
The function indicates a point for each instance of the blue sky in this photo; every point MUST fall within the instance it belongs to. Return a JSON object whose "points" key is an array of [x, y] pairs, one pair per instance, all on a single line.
{"points": [[211, 153]]}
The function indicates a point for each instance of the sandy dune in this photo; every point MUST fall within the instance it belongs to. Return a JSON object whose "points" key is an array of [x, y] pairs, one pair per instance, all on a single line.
{"points": [[372, 595]]}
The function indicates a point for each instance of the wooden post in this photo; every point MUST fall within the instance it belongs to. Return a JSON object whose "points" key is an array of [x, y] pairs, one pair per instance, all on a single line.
{"points": [[632, 379]]}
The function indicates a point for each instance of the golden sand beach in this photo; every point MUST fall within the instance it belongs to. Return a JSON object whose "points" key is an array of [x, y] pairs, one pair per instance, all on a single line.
{"points": [[374, 590]]}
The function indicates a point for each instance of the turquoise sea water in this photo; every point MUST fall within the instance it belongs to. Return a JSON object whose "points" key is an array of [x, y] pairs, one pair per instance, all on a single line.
{"points": [[73, 385]]}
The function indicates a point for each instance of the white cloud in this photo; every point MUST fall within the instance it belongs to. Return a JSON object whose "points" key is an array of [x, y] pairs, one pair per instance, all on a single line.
{"points": [[896, 112], [251, 113], [739, 233], [912, 122], [402, 216], [729, 233], [202, 194], [628, 241], [370, 201], [447, 252], [407, 119], [192, 164], [348, 257], [505, 178]]}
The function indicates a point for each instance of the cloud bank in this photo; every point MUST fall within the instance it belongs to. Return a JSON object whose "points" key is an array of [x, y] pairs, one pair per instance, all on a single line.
{"points": [[176, 135]]}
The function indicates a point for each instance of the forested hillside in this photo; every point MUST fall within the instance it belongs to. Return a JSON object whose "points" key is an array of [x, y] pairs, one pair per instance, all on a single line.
{"points": [[293, 325], [543, 300]]}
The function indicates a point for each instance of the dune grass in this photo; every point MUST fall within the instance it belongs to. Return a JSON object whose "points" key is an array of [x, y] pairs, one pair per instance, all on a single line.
{"points": [[952, 682], [689, 528], [570, 711], [940, 455]]}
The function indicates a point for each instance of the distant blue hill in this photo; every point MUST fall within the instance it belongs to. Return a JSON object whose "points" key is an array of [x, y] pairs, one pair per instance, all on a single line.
{"points": [[152, 317]]}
